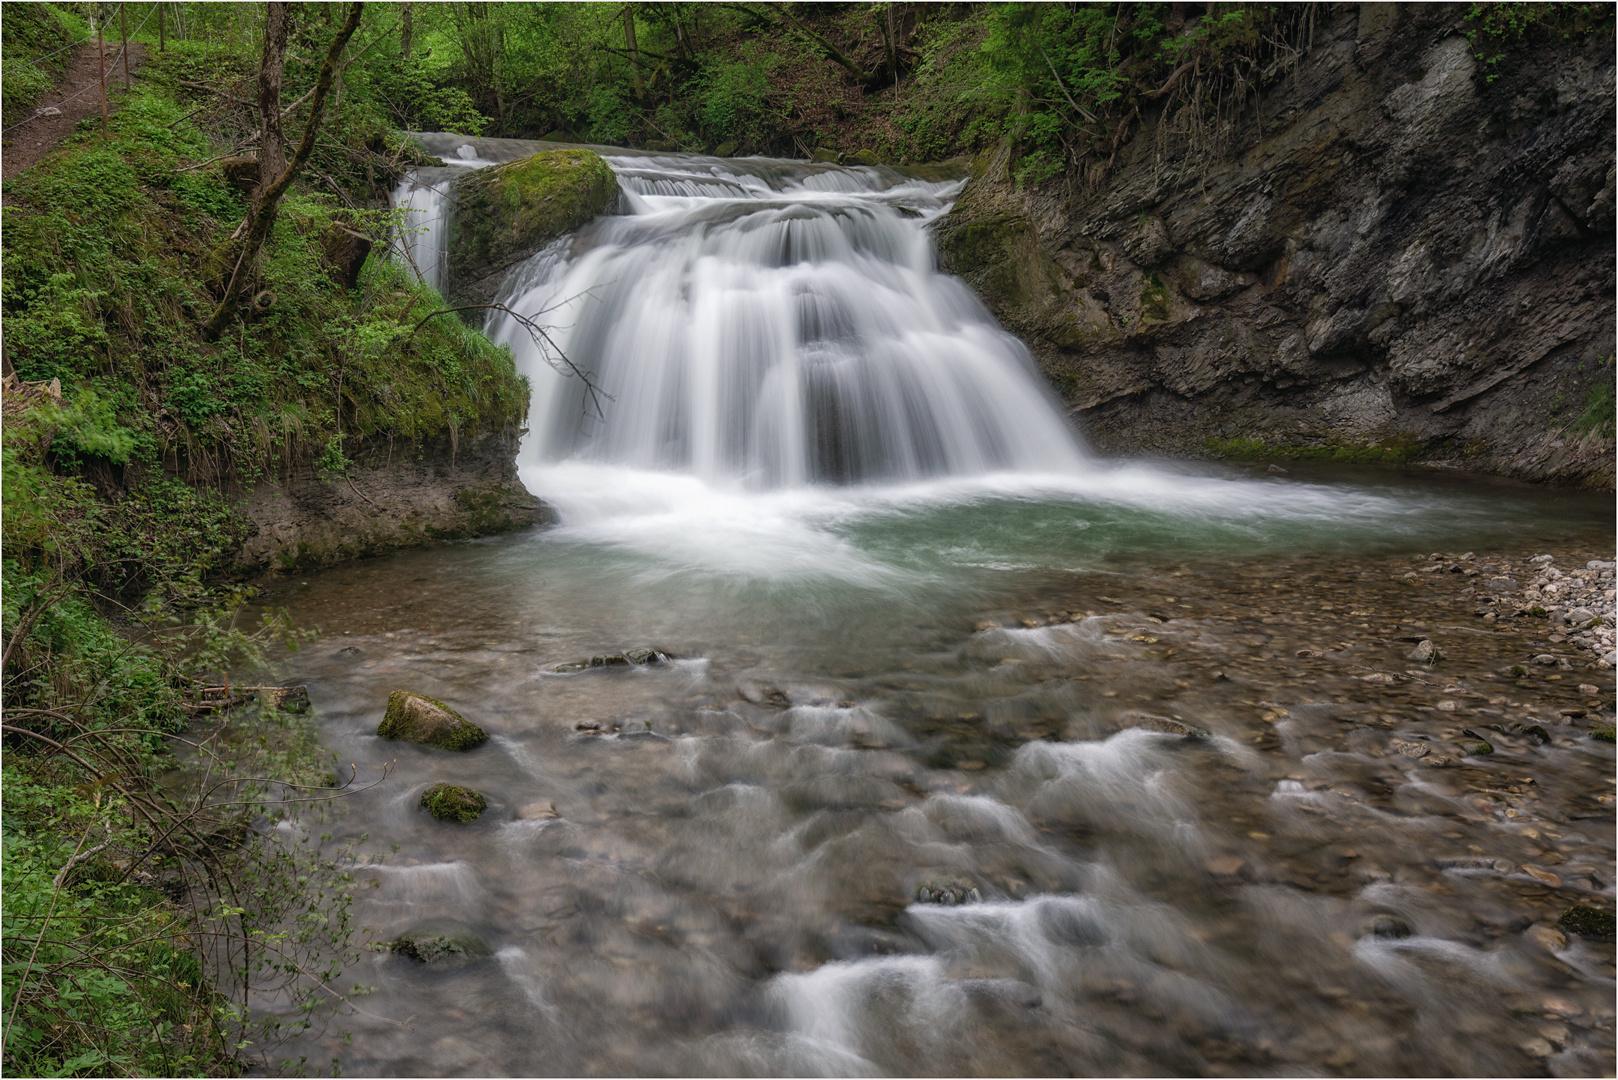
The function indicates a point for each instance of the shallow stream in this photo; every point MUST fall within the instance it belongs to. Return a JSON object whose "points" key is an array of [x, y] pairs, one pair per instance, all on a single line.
{"points": [[976, 755]]}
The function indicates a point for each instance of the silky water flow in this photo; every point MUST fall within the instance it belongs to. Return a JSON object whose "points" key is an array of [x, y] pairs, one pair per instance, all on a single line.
{"points": [[974, 753]]}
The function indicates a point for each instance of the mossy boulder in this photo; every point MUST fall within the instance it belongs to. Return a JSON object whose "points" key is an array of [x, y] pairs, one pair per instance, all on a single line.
{"points": [[418, 718], [448, 802], [506, 213], [1586, 921], [440, 943]]}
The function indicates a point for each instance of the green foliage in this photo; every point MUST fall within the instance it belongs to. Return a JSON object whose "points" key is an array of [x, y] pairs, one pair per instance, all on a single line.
{"points": [[1494, 29], [735, 103], [35, 42], [1598, 414], [108, 260]]}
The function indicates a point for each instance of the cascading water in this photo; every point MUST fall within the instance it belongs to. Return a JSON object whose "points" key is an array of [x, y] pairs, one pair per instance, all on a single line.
{"points": [[977, 756], [772, 323]]}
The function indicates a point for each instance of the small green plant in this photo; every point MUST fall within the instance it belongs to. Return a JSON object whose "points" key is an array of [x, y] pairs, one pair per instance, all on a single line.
{"points": [[1598, 414], [1494, 29]]}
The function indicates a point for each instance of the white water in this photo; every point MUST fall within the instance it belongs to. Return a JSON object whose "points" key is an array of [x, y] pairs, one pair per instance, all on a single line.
{"points": [[766, 324], [778, 356]]}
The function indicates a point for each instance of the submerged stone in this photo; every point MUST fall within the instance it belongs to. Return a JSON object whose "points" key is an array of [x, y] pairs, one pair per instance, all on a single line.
{"points": [[448, 802], [441, 943], [418, 718], [1164, 724], [627, 658], [947, 891], [1388, 926]]}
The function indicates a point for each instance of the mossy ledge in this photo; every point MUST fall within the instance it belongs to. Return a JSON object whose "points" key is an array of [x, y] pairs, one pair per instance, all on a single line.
{"points": [[413, 717], [505, 213], [448, 802]]}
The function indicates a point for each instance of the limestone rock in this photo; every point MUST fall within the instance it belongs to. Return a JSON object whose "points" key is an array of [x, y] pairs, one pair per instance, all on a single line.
{"points": [[417, 718], [505, 213], [1396, 255]]}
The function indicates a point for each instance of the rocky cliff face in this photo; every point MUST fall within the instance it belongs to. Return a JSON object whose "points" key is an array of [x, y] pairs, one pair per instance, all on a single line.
{"points": [[1404, 253], [393, 496]]}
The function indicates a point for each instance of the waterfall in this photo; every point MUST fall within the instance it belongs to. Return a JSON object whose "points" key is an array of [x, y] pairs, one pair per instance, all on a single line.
{"points": [[770, 323]]}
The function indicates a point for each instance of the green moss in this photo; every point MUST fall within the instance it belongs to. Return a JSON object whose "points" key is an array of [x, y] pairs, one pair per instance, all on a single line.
{"points": [[1395, 450], [447, 802], [108, 255], [1603, 733], [1155, 305], [1587, 921], [439, 943], [450, 731], [1598, 414], [507, 212]]}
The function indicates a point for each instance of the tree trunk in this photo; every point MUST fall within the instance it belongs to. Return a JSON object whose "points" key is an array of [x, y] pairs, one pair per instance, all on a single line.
{"points": [[262, 217], [272, 153], [406, 29], [629, 43]]}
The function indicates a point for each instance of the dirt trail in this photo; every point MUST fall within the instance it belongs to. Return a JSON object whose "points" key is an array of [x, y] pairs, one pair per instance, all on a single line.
{"points": [[74, 98]]}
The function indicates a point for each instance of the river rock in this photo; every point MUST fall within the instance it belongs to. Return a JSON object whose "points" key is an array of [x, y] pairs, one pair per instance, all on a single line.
{"points": [[627, 658], [1388, 926], [418, 718], [1586, 921], [448, 802], [1425, 652], [862, 157], [947, 891], [440, 942], [537, 811], [1547, 937], [506, 213], [1166, 725]]}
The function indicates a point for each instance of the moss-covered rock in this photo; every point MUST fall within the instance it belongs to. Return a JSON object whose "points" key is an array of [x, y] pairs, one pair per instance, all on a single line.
{"points": [[418, 718], [440, 942], [1587, 921], [448, 802], [505, 213]]}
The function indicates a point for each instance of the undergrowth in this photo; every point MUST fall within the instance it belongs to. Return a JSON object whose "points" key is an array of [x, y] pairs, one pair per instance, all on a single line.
{"points": [[111, 264]]}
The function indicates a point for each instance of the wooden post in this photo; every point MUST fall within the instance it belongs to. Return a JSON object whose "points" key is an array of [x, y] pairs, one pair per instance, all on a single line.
{"points": [[101, 62], [123, 29], [159, 25]]}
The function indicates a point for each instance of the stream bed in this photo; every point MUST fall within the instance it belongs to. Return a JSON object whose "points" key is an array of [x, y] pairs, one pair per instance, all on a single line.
{"points": [[963, 751], [922, 790]]}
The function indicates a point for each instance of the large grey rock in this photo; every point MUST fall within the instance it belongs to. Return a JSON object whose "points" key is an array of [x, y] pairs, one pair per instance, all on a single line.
{"points": [[1412, 256]]}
